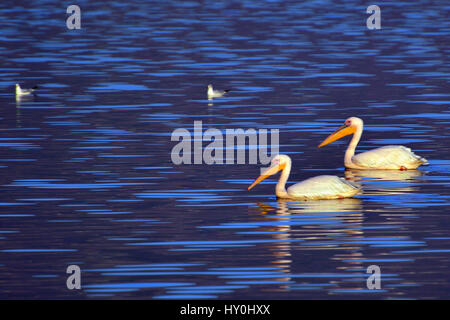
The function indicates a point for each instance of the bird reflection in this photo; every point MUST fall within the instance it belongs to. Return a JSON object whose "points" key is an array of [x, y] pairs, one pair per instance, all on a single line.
{"points": [[19, 101], [312, 226], [338, 205], [392, 175], [22, 100], [386, 182]]}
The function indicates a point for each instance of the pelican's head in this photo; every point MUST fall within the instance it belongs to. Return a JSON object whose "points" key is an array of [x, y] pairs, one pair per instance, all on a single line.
{"points": [[349, 127], [278, 163]]}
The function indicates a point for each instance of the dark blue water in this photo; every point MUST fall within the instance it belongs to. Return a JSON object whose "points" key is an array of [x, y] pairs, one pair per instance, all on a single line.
{"points": [[86, 170]]}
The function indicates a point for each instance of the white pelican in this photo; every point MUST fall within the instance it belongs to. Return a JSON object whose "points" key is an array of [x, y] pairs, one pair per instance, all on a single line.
{"points": [[320, 187], [387, 157], [215, 93], [22, 92]]}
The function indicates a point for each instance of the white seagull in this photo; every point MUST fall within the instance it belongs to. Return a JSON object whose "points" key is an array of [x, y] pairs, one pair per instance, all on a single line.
{"points": [[23, 92], [215, 93]]}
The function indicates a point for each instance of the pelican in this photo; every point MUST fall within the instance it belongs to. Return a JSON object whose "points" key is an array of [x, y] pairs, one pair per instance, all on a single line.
{"points": [[215, 93], [22, 92], [316, 188], [387, 157]]}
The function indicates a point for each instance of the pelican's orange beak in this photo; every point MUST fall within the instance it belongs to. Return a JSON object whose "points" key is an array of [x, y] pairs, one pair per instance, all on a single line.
{"points": [[339, 133], [267, 173]]}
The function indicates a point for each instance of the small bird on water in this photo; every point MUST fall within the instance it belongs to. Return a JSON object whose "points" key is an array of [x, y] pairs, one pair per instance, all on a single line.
{"points": [[215, 93], [23, 92]]}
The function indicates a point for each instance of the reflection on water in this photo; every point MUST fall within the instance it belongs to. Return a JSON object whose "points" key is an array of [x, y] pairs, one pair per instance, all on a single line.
{"points": [[87, 177], [340, 205], [385, 182], [356, 175]]}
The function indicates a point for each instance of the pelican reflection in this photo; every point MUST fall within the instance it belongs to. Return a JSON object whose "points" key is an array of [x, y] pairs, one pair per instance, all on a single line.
{"points": [[386, 182], [312, 227]]}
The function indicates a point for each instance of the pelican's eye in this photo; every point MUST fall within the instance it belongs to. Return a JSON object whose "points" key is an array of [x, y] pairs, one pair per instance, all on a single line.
{"points": [[348, 122]]}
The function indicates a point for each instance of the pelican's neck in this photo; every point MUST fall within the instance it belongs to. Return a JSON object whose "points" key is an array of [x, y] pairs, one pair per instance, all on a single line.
{"points": [[210, 90], [280, 189], [352, 146]]}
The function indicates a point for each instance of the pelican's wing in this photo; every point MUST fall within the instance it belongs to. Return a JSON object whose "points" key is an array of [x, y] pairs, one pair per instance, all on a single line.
{"points": [[323, 187], [389, 157]]}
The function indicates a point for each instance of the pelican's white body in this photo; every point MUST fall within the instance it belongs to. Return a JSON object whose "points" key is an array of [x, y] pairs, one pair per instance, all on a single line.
{"points": [[322, 187], [387, 157]]}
